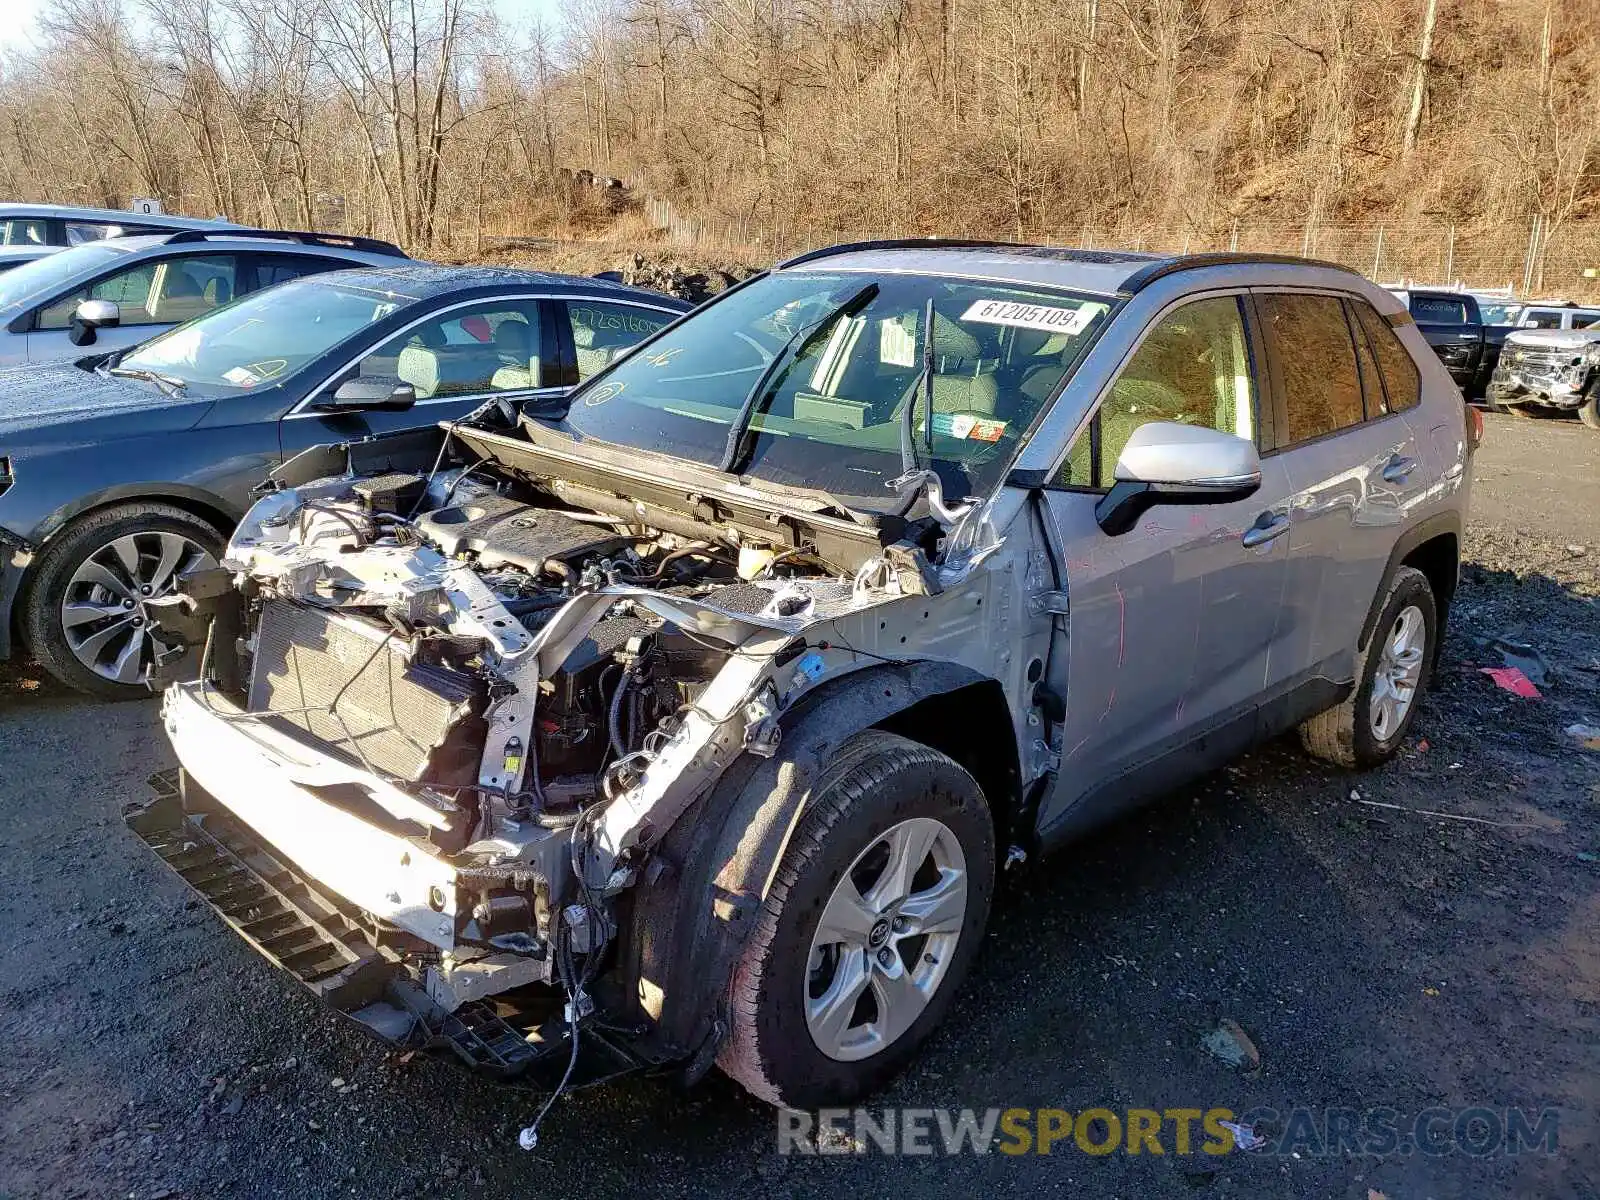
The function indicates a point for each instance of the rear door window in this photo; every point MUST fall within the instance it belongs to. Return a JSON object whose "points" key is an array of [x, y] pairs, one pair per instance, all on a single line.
{"points": [[79, 232], [1316, 358], [280, 268], [603, 331], [1402, 382]]}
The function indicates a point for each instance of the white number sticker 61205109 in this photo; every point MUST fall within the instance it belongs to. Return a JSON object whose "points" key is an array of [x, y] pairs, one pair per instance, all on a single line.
{"points": [[1047, 317]]}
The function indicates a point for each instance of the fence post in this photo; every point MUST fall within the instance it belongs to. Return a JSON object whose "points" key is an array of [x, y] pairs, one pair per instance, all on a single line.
{"points": [[1233, 238], [1450, 257], [1527, 262], [1377, 256]]}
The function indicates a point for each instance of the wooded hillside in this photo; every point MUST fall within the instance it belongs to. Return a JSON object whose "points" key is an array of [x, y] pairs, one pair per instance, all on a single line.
{"points": [[780, 122]]}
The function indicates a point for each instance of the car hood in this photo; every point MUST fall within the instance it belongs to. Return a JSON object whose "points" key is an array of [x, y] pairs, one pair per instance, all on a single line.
{"points": [[80, 404], [1555, 339]]}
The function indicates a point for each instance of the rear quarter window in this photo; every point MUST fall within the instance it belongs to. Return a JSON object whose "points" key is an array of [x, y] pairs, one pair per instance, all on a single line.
{"points": [[1402, 382]]}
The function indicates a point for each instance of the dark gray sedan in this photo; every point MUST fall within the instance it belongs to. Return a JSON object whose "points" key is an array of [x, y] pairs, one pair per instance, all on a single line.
{"points": [[119, 472]]}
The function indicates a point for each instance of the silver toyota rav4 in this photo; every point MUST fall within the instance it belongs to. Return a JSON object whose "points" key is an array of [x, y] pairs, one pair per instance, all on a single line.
{"points": [[687, 720]]}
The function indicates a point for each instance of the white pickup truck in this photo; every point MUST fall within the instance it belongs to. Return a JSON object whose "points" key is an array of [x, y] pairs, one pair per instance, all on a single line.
{"points": [[1553, 369]]}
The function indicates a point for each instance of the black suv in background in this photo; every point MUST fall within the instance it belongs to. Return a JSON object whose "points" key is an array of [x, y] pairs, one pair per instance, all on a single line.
{"points": [[1452, 324]]}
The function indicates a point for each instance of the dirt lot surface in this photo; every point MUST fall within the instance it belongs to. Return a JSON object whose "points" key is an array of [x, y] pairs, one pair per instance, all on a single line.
{"points": [[1376, 957]]}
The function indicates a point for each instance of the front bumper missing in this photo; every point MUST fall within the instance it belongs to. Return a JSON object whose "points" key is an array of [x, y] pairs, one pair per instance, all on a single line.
{"points": [[329, 945]]}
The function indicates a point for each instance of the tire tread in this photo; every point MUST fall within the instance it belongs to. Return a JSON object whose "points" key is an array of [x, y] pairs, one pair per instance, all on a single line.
{"points": [[836, 792]]}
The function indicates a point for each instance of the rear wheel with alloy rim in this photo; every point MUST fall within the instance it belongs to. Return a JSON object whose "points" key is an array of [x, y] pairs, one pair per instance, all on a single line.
{"points": [[1391, 673], [89, 615], [877, 910]]}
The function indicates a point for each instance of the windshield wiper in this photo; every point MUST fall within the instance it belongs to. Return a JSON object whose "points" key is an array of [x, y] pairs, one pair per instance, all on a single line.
{"points": [[793, 348], [915, 479], [908, 415], [170, 386]]}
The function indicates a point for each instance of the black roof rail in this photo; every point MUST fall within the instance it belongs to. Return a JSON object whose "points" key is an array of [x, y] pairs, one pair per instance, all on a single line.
{"points": [[348, 241], [927, 243], [1161, 268]]}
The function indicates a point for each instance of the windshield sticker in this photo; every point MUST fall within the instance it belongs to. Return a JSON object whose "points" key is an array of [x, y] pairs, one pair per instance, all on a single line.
{"points": [[1034, 316], [897, 345], [241, 377], [606, 391], [660, 358], [968, 427]]}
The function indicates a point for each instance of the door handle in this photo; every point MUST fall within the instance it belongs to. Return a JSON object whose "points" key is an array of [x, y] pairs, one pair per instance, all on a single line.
{"points": [[1398, 468], [1268, 527]]}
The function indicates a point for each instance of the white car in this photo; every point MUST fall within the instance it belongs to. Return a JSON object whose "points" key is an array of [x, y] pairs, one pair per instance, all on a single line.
{"points": [[112, 294]]}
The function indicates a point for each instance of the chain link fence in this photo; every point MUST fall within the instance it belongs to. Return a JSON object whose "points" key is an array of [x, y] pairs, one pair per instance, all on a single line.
{"points": [[1529, 259]]}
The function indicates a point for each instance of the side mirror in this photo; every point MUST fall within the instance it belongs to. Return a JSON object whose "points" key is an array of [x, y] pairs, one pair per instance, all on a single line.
{"points": [[1168, 463], [89, 316], [369, 395]]}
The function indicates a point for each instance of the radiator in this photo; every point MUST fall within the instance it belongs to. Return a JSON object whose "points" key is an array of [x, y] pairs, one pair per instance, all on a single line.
{"points": [[352, 686]]}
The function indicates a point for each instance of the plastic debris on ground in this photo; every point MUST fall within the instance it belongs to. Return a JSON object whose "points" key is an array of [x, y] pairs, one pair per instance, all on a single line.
{"points": [[1512, 680], [1232, 1045], [1587, 736], [1525, 658], [1244, 1137]]}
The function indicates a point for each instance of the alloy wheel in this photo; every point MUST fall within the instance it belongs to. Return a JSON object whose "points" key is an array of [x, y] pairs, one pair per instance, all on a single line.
{"points": [[1394, 683], [886, 939], [105, 612]]}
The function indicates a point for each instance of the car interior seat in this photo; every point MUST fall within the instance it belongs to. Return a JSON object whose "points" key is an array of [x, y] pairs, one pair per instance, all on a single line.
{"points": [[596, 348], [963, 377], [446, 370], [180, 296], [519, 365]]}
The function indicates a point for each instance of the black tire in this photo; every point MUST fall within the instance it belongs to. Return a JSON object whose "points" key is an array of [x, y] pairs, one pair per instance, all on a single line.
{"points": [[1589, 410], [41, 619], [1343, 735], [876, 781]]}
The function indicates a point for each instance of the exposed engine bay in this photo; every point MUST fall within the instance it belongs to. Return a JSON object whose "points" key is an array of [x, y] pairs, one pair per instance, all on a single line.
{"points": [[420, 648], [453, 702], [483, 696]]}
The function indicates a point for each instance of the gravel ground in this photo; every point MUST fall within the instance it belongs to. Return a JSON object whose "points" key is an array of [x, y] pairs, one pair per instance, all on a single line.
{"points": [[1374, 956]]}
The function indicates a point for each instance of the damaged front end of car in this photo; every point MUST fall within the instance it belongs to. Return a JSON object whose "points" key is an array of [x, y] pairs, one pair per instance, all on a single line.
{"points": [[450, 712]]}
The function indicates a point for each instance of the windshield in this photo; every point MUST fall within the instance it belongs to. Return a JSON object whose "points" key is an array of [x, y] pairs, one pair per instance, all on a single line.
{"points": [[825, 365], [44, 277], [1499, 314], [266, 337]]}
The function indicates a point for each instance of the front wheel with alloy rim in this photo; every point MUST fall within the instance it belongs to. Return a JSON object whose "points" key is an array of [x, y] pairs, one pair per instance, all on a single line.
{"points": [[876, 912], [1392, 672], [88, 614]]}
